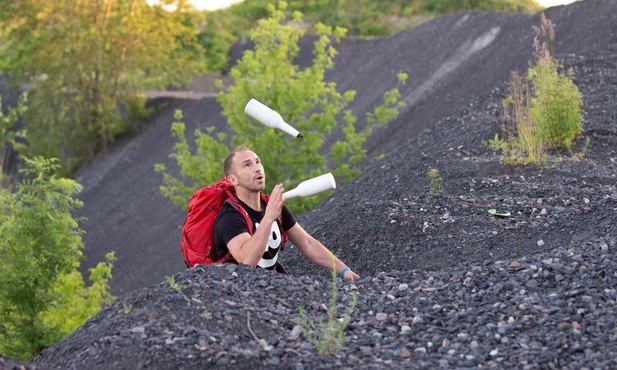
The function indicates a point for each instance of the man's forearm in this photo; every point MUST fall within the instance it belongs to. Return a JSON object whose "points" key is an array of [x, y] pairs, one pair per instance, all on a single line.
{"points": [[252, 250], [320, 255]]}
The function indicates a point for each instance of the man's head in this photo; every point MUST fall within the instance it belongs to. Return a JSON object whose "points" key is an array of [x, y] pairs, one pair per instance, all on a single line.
{"points": [[243, 168]]}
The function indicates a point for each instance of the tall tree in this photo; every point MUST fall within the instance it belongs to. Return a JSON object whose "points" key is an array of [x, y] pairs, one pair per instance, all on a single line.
{"points": [[88, 58]]}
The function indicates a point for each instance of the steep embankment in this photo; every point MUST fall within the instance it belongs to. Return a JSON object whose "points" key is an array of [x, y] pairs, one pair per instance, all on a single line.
{"points": [[451, 61]]}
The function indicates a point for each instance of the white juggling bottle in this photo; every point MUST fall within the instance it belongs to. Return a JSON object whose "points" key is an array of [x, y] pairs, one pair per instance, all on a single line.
{"points": [[312, 186], [269, 117]]}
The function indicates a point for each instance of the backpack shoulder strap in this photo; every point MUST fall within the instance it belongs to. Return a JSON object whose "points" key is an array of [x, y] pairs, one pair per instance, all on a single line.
{"points": [[234, 202]]}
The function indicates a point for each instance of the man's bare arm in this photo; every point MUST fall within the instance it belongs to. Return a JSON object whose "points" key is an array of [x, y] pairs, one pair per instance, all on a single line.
{"points": [[317, 252]]}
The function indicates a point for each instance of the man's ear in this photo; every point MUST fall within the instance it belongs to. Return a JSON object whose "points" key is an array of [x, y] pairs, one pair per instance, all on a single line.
{"points": [[233, 180]]}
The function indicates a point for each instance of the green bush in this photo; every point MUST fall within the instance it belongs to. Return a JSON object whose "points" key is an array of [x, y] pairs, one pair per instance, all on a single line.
{"points": [[43, 297], [523, 141], [556, 103], [546, 115], [435, 181], [301, 96]]}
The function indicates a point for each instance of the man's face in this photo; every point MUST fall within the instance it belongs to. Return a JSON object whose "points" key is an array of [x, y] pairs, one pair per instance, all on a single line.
{"points": [[247, 171]]}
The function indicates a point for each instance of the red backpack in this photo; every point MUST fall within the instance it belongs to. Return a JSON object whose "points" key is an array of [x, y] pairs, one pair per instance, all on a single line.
{"points": [[197, 244]]}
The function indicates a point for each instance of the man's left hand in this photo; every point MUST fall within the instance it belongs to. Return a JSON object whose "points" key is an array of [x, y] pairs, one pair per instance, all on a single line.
{"points": [[350, 275]]}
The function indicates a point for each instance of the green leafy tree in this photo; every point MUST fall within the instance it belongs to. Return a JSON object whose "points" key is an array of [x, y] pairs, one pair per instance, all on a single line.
{"points": [[88, 59], [43, 297], [301, 96]]}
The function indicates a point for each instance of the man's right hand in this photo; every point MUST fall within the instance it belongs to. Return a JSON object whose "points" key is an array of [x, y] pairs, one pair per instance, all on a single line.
{"points": [[275, 204]]}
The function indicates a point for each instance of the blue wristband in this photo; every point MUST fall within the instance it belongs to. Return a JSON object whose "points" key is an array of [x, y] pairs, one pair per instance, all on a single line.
{"points": [[343, 271]]}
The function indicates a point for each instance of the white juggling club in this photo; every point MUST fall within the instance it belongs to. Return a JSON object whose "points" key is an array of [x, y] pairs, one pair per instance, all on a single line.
{"points": [[269, 117], [312, 186]]}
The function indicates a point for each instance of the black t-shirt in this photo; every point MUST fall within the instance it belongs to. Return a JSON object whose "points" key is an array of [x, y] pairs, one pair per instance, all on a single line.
{"points": [[230, 223]]}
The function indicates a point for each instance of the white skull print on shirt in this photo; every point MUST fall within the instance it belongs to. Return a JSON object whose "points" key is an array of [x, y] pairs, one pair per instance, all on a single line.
{"points": [[272, 248]]}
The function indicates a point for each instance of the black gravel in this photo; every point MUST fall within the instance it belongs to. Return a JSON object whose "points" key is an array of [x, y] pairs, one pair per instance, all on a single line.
{"points": [[552, 310], [444, 283]]}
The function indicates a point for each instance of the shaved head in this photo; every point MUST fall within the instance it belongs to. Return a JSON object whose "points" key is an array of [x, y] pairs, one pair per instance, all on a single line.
{"points": [[230, 158]]}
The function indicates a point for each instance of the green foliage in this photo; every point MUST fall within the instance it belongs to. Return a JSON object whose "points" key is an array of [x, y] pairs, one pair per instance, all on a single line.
{"points": [[136, 110], [547, 116], [127, 308], [216, 46], [435, 181], [206, 315], [328, 335], [556, 105], [74, 302], [43, 297], [87, 59], [451, 6], [173, 285], [495, 143], [203, 167], [522, 138], [301, 96], [9, 135], [391, 105]]}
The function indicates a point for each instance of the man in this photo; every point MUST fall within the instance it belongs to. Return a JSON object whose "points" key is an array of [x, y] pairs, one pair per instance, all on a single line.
{"points": [[244, 170]]}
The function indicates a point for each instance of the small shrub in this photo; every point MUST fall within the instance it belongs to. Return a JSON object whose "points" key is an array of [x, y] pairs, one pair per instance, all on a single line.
{"points": [[436, 182], [327, 335], [548, 115], [495, 143], [556, 105], [522, 137], [136, 109]]}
